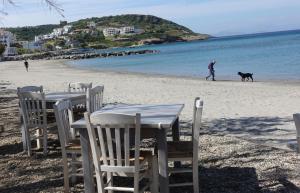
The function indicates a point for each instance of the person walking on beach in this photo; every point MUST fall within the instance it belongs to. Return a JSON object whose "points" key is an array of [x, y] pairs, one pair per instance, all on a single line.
{"points": [[211, 70], [26, 65]]}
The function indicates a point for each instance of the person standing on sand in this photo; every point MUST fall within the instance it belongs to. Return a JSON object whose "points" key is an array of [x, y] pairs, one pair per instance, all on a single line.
{"points": [[211, 70], [26, 65]]}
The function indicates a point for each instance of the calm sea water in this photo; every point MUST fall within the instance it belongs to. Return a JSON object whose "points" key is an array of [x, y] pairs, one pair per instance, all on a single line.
{"points": [[269, 56]]}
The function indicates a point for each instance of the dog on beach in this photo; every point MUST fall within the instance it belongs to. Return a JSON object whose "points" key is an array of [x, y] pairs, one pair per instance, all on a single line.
{"points": [[245, 76]]}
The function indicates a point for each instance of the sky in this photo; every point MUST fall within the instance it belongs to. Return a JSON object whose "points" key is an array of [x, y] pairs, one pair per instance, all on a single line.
{"points": [[214, 17]]}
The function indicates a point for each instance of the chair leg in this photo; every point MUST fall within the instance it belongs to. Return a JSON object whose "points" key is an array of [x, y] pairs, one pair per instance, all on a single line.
{"points": [[154, 175], [110, 181], [38, 140], [136, 182], [45, 140], [24, 141], [28, 141], [195, 177], [66, 172], [74, 168]]}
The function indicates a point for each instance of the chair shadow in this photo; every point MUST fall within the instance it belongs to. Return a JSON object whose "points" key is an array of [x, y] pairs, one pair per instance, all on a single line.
{"points": [[271, 130], [39, 186], [231, 180]]}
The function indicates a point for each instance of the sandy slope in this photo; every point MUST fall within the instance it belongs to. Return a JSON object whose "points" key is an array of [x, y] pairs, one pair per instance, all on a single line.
{"points": [[260, 111]]}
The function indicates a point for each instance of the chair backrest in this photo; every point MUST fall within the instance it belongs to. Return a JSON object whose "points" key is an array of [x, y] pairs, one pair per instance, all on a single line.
{"points": [[64, 117], [79, 87], [33, 109], [197, 116], [297, 124], [30, 89], [94, 98], [114, 131]]}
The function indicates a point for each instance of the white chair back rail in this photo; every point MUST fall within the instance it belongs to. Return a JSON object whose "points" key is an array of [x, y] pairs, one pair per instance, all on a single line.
{"points": [[94, 98], [33, 110], [30, 89], [114, 131], [64, 117], [79, 87], [33, 107], [188, 150]]}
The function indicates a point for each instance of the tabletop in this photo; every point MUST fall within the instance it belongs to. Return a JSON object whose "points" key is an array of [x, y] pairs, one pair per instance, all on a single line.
{"points": [[56, 96], [152, 116]]}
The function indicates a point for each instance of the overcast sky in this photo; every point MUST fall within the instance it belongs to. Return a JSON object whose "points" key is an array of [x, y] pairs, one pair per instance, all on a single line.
{"points": [[215, 17]]}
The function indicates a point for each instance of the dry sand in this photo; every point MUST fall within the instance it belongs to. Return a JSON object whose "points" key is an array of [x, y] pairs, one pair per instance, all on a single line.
{"points": [[259, 111], [241, 120]]}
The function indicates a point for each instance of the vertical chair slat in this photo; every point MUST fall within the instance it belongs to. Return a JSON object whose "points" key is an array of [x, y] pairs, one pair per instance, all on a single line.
{"points": [[126, 146], [102, 145], [118, 146], [110, 147]]}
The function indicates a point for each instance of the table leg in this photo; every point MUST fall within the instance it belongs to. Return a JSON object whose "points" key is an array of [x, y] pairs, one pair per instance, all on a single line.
{"points": [[86, 162], [175, 130], [163, 160], [176, 137]]}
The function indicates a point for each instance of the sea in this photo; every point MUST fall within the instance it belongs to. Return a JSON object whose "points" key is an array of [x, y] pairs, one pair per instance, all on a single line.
{"points": [[269, 56]]}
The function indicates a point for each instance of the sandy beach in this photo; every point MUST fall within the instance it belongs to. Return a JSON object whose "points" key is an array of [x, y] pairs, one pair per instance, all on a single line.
{"points": [[259, 111], [243, 123]]}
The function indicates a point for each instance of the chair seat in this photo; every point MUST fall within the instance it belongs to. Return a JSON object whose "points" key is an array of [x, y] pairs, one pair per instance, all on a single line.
{"points": [[180, 149]]}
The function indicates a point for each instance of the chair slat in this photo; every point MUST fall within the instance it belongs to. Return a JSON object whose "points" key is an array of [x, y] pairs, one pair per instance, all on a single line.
{"points": [[110, 146], [118, 146], [126, 146]]}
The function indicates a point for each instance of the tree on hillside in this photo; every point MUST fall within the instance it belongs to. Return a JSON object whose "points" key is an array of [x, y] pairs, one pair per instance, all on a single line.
{"points": [[52, 4]]}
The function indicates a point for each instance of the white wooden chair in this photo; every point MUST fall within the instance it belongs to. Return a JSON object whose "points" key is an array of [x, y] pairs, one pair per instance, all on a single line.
{"points": [[38, 89], [33, 110], [114, 156], [69, 145], [79, 87], [297, 124], [94, 98], [188, 150], [30, 89]]}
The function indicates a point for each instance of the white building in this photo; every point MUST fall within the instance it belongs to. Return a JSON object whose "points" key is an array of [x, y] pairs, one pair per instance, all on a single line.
{"points": [[111, 31], [91, 24], [7, 38], [127, 30], [58, 32], [67, 29], [10, 51]]}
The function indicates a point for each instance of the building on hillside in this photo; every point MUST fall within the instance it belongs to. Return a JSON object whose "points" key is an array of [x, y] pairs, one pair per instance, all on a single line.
{"points": [[67, 29], [111, 31], [58, 32], [127, 30], [8, 39], [10, 51], [91, 24]]}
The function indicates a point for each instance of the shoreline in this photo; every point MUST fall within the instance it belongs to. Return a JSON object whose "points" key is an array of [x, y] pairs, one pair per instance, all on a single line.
{"points": [[200, 78]]}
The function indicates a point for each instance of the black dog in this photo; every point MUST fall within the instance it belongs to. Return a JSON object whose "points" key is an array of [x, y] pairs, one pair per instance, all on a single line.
{"points": [[245, 76]]}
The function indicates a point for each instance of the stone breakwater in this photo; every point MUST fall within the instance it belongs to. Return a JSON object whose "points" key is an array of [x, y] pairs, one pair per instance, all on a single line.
{"points": [[76, 56]]}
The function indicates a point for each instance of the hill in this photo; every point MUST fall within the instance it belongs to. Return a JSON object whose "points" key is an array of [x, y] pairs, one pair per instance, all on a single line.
{"points": [[27, 33], [152, 29]]}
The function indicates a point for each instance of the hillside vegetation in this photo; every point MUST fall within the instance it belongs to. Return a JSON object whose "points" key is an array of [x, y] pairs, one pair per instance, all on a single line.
{"points": [[155, 30]]}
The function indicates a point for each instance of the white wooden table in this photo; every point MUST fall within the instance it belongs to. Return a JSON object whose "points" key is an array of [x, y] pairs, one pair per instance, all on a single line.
{"points": [[76, 98], [159, 118]]}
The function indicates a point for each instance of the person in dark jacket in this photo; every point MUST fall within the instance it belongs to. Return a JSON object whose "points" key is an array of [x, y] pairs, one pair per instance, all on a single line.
{"points": [[26, 65], [211, 70]]}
